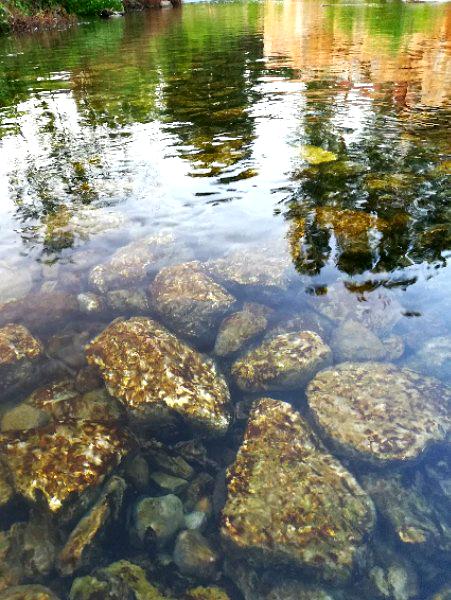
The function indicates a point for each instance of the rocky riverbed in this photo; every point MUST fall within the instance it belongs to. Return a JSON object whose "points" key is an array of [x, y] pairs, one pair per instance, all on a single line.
{"points": [[169, 430]]}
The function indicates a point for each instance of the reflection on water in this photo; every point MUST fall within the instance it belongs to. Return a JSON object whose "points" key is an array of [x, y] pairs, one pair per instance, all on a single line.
{"points": [[299, 151]]}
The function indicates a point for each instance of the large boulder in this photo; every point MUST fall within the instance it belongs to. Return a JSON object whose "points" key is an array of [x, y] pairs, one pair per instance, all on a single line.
{"points": [[132, 264], [378, 412], [19, 356], [149, 369], [189, 301], [289, 501], [283, 362]]}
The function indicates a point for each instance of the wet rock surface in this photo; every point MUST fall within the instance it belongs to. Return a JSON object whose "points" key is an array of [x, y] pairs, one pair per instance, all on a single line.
{"points": [[289, 501], [147, 367], [433, 358], [378, 412], [189, 301], [284, 362], [195, 556], [59, 462]]}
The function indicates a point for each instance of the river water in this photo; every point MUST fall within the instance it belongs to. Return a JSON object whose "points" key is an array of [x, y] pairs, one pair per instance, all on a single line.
{"points": [[315, 133]]}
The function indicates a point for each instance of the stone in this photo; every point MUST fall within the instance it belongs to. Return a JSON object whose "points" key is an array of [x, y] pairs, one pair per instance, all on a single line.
{"points": [[33, 546], [173, 464], [169, 483], [61, 401], [377, 412], [377, 310], [28, 592], [410, 506], [15, 283], [202, 485], [254, 268], [297, 590], [238, 329], [128, 301], [134, 263], [433, 358], [194, 555], [22, 418], [68, 347], [90, 303], [308, 320], [148, 368], [284, 362], [58, 463], [394, 347], [119, 581], [136, 471], [443, 594], [80, 548], [19, 356], [353, 341], [189, 301], [157, 520], [207, 593], [290, 502], [196, 520], [40, 311]]}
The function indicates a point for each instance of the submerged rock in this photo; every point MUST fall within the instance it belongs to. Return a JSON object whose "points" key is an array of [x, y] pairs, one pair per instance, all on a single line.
{"points": [[6, 488], [28, 592], [376, 310], [127, 301], [133, 264], [315, 155], [284, 362], [58, 463], [40, 311], [157, 520], [194, 555], [354, 341], [239, 328], [15, 283], [149, 369], [119, 581], [289, 501], [189, 301], [90, 303], [419, 518], [378, 412], [81, 547], [433, 358], [19, 353], [206, 593], [252, 268]]}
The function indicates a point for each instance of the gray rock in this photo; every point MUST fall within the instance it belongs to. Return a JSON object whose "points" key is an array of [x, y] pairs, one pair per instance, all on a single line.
{"points": [[353, 341], [90, 303], [290, 502], [137, 472], [287, 361], [148, 368], [40, 311], [173, 464], [394, 347], [196, 520], [157, 520], [189, 301], [378, 412], [169, 483], [194, 555], [433, 358]]}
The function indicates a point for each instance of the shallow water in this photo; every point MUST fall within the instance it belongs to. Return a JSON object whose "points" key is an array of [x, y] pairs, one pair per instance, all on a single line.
{"points": [[206, 123]]}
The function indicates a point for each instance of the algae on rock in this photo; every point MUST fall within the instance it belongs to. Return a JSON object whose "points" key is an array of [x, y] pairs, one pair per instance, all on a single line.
{"points": [[291, 502], [147, 368], [378, 412]]}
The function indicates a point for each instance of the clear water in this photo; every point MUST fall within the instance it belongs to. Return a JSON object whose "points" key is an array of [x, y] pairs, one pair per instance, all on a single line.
{"points": [[196, 120]]}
